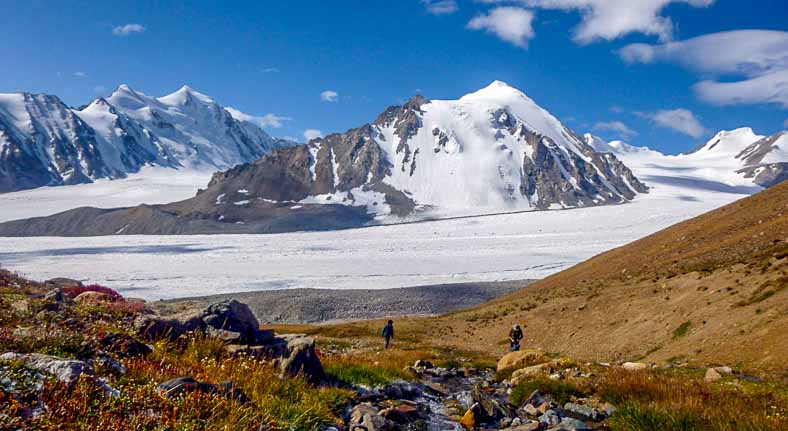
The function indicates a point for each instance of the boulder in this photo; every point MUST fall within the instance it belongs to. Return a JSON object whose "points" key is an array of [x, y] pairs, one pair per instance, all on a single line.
{"points": [[550, 418], [302, 360], [62, 283], [521, 375], [473, 417], [230, 320], [421, 363], [92, 297], [586, 413], [366, 417], [402, 414], [530, 410], [493, 409], [183, 385], [236, 320], [712, 375], [634, 366], [571, 424], [154, 326], [521, 359], [67, 371], [123, 345]]}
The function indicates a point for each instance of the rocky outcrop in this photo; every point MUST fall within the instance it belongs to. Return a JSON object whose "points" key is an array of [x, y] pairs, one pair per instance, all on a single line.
{"points": [[67, 371], [521, 359], [765, 169], [229, 320], [234, 323]]}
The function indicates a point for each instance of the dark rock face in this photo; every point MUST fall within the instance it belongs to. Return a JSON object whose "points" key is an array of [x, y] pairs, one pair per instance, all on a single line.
{"points": [[57, 147], [553, 176], [763, 174]]}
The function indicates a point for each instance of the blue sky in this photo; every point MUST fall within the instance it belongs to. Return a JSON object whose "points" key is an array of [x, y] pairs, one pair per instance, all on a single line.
{"points": [[662, 73]]}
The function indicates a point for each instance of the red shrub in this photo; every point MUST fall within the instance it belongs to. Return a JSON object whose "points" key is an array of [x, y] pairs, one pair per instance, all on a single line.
{"points": [[126, 308], [73, 292]]}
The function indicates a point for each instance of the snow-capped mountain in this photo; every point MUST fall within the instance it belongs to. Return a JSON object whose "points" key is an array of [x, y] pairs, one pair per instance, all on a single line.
{"points": [[196, 130], [44, 142], [491, 150], [735, 159]]}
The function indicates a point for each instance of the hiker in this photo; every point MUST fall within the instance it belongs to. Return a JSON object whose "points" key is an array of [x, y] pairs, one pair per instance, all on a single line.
{"points": [[388, 332], [515, 335]]}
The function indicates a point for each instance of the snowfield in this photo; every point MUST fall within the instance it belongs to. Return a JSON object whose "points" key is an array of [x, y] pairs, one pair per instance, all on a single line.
{"points": [[152, 185], [486, 248]]}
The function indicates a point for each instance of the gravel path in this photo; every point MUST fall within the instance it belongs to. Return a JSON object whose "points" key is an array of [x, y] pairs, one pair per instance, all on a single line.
{"points": [[325, 305]]}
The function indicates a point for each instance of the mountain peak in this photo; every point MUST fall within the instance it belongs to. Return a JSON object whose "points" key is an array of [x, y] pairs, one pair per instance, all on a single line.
{"points": [[183, 95], [496, 90]]}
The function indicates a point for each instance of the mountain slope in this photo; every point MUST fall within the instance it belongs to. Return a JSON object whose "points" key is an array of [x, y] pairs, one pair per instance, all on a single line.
{"points": [[713, 289], [732, 160], [44, 142]]}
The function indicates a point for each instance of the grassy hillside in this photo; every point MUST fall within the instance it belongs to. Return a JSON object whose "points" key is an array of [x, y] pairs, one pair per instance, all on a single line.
{"points": [[708, 290]]}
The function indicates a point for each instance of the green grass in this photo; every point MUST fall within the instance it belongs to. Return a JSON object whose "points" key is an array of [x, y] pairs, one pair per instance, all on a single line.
{"points": [[562, 391], [682, 330], [637, 417], [362, 374]]}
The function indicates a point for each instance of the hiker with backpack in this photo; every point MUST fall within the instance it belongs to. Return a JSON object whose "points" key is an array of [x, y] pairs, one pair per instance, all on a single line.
{"points": [[388, 332], [515, 335]]}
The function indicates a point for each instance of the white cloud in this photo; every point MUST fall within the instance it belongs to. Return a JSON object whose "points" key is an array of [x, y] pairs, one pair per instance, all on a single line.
{"points": [[310, 134], [128, 29], [440, 7], [269, 70], [267, 120], [329, 96], [611, 19], [80, 74], [757, 58], [512, 24], [621, 129], [680, 120]]}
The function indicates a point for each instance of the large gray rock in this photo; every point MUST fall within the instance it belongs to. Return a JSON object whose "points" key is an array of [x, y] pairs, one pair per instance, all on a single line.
{"points": [[155, 326], [368, 417], [302, 360], [233, 321], [66, 370], [230, 320], [586, 413]]}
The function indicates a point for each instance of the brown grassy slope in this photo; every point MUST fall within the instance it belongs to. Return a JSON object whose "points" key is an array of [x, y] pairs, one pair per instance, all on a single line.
{"points": [[714, 271], [709, 290]]}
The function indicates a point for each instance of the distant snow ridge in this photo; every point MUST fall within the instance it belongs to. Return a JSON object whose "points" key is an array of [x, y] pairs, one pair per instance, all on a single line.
{"points": [[44, 142], [490, 151], [737, 158]]}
